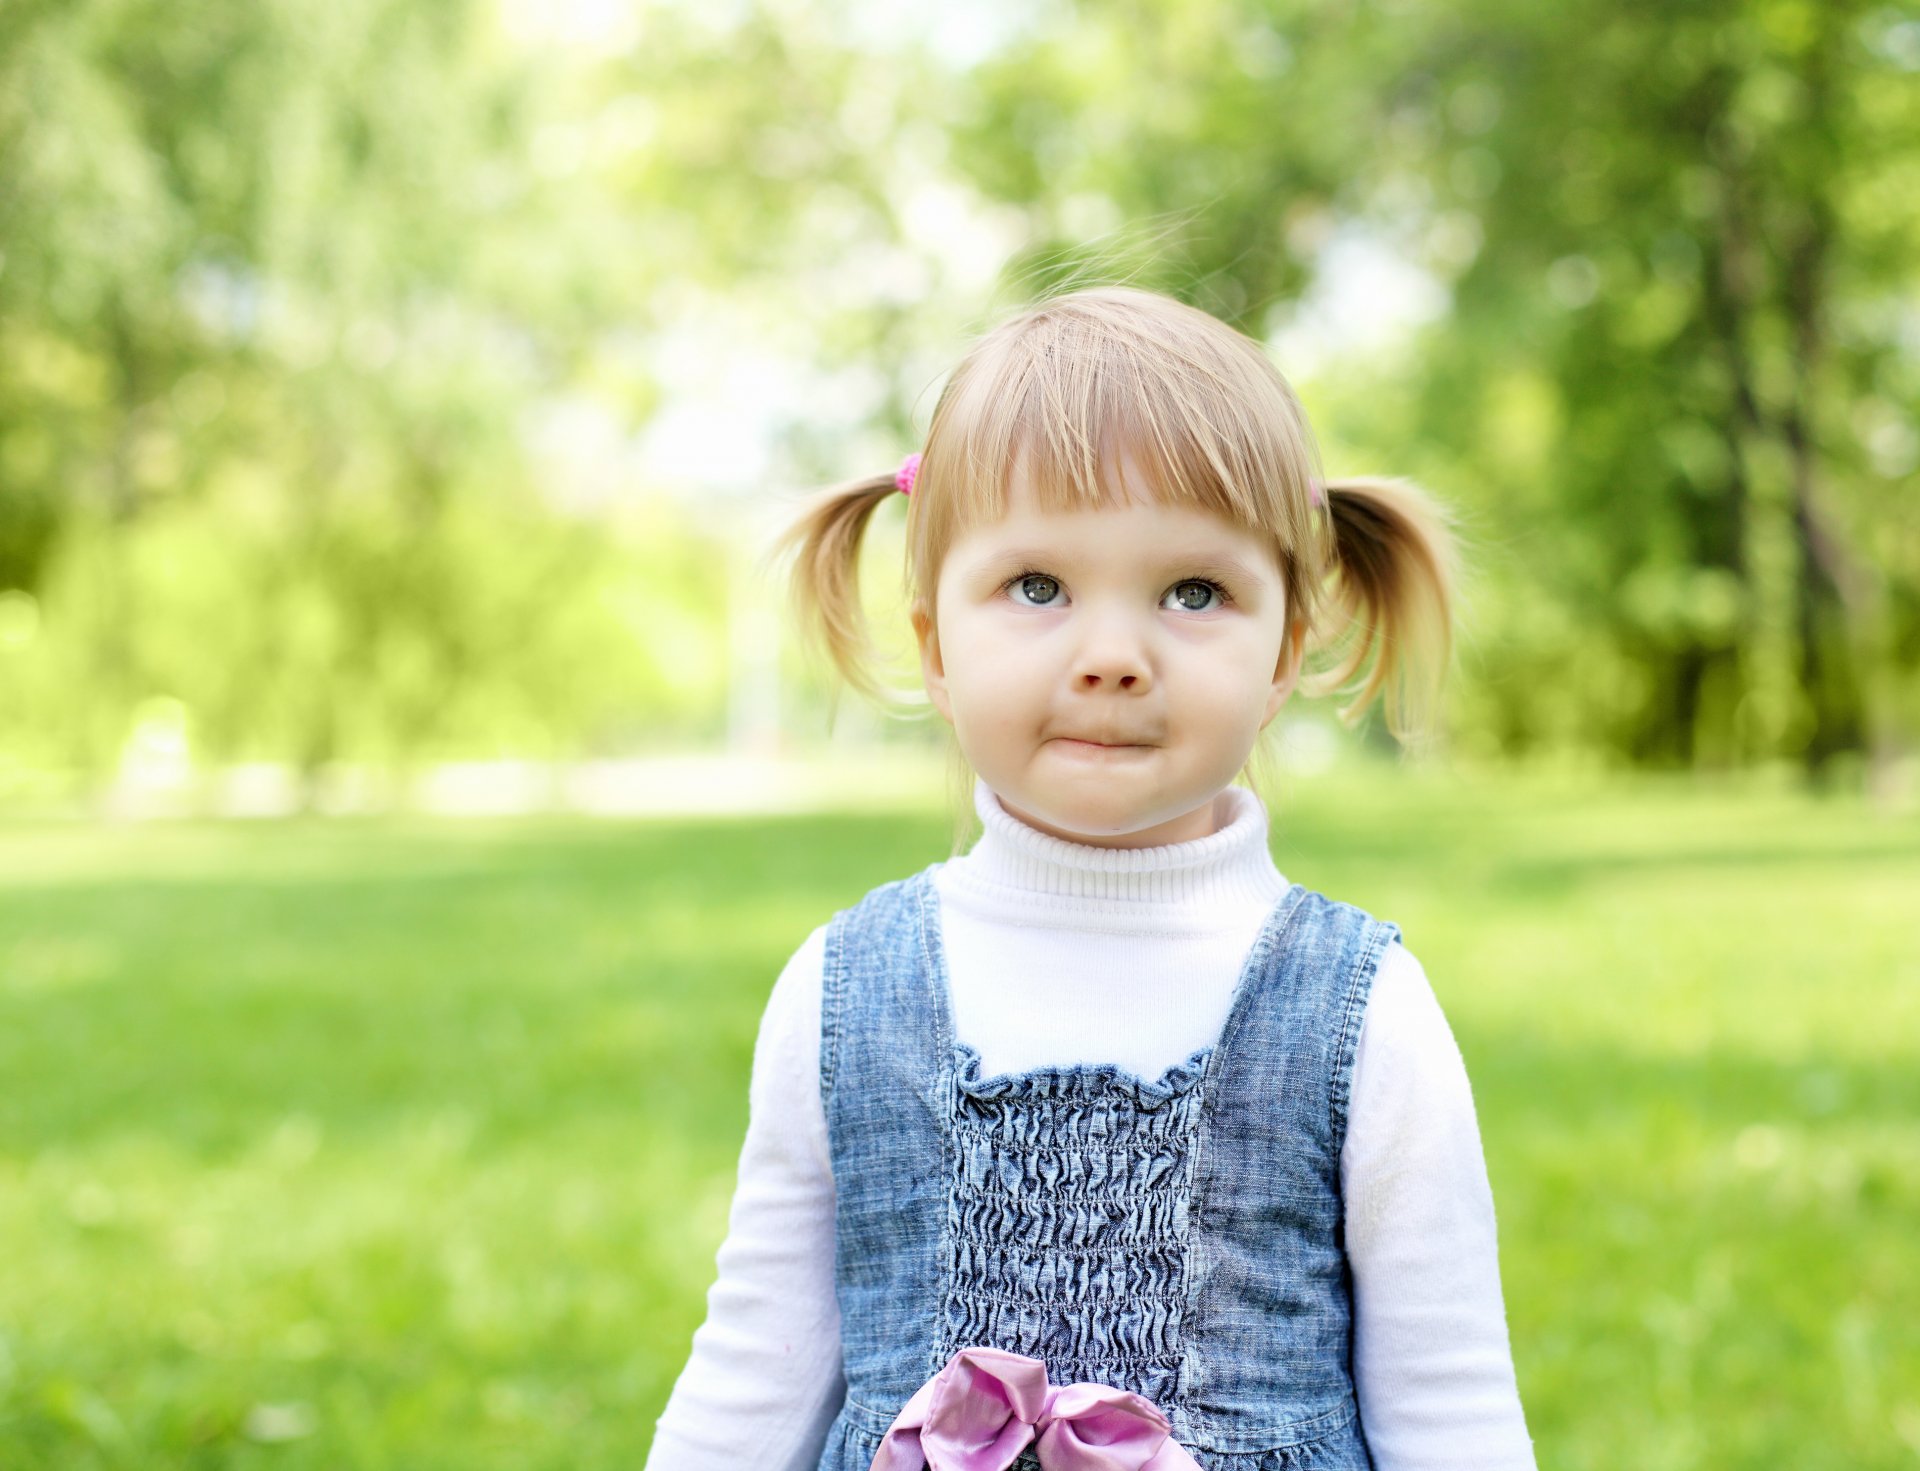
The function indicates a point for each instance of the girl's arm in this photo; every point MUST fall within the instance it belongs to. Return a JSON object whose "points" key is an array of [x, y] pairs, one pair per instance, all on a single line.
{"points": [[763, 1382], [1432, 1363]]}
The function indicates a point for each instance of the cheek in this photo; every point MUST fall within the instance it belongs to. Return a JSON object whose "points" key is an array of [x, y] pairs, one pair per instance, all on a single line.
{"points": [[982, 645], [995, 676], [1235, 683]]}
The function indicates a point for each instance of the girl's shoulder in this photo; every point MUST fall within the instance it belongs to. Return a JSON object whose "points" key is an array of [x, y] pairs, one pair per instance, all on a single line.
{"points": [[894, 896], [792, 1009], [1307, 909], [1320, 896]]}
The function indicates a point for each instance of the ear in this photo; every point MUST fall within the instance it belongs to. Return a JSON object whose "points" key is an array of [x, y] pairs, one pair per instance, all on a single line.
{"points": [[1286, 672], [933, 670]]}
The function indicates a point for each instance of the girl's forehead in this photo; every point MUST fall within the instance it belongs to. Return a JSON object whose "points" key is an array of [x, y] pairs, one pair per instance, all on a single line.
{"points": [[1136, 528]]}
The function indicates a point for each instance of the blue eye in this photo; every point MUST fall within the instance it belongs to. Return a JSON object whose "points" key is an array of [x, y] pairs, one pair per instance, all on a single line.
{"points": [[1041, 588], [1209, 589]]}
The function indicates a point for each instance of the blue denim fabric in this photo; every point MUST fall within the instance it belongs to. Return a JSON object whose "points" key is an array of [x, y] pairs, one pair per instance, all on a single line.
{"points": [[1180, 1237]]}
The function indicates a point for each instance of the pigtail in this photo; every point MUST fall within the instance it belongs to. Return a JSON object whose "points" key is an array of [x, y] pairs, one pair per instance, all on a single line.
{"points": [[1395, 571], [823, 584]]}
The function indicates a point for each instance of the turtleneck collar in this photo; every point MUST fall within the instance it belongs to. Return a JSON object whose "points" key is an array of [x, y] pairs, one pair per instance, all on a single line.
{"points": [[1016, 867]]}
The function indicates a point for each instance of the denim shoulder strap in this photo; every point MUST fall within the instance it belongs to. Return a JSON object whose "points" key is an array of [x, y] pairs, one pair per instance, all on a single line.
{"points": [[886, 1081], [1271, 1299]]}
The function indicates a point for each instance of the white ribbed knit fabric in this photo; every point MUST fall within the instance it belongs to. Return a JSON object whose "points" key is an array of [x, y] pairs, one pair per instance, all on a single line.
{"points": [[1061, 953]]}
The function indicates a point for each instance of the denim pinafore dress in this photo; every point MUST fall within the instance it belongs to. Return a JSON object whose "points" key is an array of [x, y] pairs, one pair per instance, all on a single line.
{"points": [[1181, 1238]]}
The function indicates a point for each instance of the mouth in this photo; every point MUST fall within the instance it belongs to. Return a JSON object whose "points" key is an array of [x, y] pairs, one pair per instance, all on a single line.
{"points": [[1076, 743]]}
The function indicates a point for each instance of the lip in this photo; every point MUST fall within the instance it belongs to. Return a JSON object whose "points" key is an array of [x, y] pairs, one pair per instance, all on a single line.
{"points": [[1076, 742]]}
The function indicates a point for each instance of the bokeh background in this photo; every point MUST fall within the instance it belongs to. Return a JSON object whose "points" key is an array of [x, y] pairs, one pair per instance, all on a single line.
{"points": [[410, 783]]}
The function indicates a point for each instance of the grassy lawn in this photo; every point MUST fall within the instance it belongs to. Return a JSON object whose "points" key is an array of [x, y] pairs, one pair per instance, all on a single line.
{"points": [[408, 1144]]}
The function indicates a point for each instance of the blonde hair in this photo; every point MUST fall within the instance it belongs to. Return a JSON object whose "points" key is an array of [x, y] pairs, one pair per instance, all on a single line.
{"points": [[1068, 385]]}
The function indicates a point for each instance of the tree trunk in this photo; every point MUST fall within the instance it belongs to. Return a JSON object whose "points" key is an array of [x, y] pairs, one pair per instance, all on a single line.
{"points": [[1831, 590]]}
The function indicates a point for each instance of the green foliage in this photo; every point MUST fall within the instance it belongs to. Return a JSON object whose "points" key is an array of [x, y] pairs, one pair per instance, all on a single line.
{"points": [[1667, 385], [395, 1144], [289, 297], [370, 638], [286, 296]]}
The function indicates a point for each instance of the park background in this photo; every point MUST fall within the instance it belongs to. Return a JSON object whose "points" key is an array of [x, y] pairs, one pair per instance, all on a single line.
{"points": [[410, 783]]}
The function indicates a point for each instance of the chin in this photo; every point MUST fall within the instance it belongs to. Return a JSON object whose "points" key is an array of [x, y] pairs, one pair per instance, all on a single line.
{"points": [[1095, 827], [1095, 820]]}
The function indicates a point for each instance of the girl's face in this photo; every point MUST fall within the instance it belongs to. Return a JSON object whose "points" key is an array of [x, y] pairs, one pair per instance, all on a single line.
{"points": [[1094, 673]]}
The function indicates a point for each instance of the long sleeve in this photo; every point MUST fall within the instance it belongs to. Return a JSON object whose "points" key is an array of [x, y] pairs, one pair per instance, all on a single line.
{"points": [[763, 1381], [1433, 1366]]}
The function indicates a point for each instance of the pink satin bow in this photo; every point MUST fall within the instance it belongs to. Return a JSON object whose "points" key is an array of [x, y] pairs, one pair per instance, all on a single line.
{"points": [[987, 1405]]}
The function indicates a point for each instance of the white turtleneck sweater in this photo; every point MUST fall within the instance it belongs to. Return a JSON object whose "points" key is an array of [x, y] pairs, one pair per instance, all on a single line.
{"points": [[1061, 953]]}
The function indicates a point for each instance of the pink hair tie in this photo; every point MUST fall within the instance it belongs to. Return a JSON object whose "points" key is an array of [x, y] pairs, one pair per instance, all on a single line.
{"points": [[1316, 493], [908, 472]]}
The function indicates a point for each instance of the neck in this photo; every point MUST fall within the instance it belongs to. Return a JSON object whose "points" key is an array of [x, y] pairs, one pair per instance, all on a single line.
{"points": [[1061, 952], [1202, 822], [1184, 882]]}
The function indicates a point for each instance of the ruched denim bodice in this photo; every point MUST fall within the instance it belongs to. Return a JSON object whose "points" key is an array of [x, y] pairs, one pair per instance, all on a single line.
{"points": [[1068, 1221], [1180, 1237]]}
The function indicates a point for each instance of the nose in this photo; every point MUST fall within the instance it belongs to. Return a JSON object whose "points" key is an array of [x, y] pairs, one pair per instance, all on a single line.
{"points": [[1112, 655]]}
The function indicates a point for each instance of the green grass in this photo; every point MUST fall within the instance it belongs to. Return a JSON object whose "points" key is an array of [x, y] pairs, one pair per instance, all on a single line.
{"points": [[404, 1144]]}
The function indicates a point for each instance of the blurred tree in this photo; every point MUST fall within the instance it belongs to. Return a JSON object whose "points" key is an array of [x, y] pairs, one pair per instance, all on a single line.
{"points": [[284, 292], [290, 298], [244, 248], [1672, 247]]}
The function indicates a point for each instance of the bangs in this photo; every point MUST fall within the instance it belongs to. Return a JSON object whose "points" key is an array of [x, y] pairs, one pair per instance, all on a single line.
{"points": [[1109, 396]]}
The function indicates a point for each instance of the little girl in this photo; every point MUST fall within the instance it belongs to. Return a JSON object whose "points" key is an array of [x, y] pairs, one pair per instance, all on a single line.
{"points": [[1104, 1145]]}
